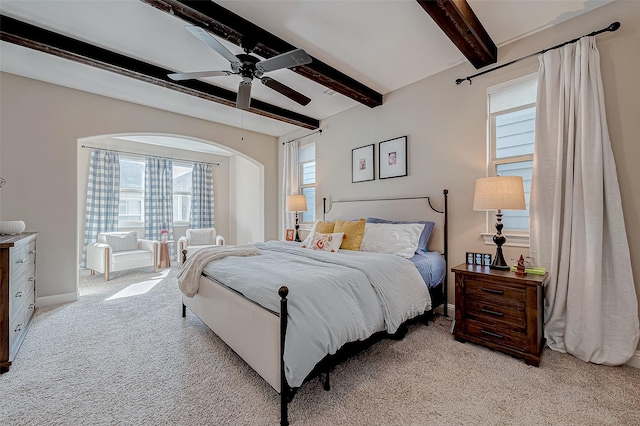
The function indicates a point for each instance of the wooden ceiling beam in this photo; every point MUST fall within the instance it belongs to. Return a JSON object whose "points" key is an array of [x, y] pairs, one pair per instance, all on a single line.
{"points": [[227, 25], [32, 37], [462, 26]]}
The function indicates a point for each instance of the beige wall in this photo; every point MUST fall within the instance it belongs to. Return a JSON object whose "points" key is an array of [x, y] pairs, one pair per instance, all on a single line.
{"points": [[40, 127], [446, 129]]}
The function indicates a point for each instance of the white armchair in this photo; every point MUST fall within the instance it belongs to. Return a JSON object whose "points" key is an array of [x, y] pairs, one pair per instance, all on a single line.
{"points": [[118, 251], [197, 239]]}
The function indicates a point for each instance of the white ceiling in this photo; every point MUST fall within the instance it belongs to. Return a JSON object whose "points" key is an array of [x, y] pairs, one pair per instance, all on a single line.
{"points": [[383, 44]]}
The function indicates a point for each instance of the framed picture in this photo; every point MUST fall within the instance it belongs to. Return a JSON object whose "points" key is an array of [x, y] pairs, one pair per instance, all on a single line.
{"points": [[470, 258], [393, 158], [486, 259], [479, 259], [289, 236], [362, 167]]}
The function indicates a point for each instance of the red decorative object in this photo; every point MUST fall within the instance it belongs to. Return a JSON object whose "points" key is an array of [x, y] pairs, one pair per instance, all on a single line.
{"points": [[520, 267]]}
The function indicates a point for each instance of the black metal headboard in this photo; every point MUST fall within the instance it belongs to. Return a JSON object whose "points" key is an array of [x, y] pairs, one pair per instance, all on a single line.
{"points": [[445, 254]]}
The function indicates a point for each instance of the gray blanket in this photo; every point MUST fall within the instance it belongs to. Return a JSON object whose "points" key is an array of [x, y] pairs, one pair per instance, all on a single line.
{"points": [[334, 298]]}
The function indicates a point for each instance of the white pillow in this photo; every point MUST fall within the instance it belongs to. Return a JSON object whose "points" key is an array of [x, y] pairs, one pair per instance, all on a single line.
{"points": [[326, 242], [392, 238], [201, 237], [307, 240]]}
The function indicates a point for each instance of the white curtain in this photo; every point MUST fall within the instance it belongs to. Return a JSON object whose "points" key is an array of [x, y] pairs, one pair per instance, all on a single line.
{"points": [[289, 181], [577, 226]]}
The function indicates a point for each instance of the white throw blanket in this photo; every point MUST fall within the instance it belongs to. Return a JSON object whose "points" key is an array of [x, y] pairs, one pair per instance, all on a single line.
{"points": [[189, 275]]}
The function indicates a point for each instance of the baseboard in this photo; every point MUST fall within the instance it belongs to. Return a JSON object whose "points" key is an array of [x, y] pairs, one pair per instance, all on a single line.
{"points": [[635, 360], [56, 299], [451, 309]]}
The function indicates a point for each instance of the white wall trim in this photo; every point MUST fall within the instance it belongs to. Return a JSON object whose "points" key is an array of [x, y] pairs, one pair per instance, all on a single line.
{"points": [[56, 299], [635, 360], [451, 310]]}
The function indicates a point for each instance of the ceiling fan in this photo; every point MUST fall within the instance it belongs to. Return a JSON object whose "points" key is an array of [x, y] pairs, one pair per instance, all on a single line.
{"points": [[249, 67]]}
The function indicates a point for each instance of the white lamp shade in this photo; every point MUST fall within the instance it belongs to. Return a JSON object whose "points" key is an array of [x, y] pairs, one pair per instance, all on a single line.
{"points": [[499, 193], [296, 203]]}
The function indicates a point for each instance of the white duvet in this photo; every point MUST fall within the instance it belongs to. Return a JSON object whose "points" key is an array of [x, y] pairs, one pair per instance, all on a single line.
{"points": [[334, 298]]}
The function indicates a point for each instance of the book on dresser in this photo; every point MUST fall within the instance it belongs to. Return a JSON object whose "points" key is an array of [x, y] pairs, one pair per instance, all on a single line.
{"points": [[17, 292], [500, 310]]}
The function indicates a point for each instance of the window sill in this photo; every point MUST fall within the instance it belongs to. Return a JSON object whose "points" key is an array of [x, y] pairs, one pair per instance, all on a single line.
{"points": [[513, 240]]}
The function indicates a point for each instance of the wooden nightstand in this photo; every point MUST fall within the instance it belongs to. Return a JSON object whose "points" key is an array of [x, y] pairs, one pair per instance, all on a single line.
{"points": [[500, 310]]}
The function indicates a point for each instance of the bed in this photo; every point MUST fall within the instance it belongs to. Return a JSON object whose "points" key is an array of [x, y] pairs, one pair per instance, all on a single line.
{"points": [[327, 303]]}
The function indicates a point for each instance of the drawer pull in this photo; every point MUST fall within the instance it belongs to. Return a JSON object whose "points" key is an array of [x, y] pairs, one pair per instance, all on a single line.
{"points": [[488, 311], [492, 291], [20, 261], [32, 252], [32, 279], [32, 306], [18, 294], [18, 328], [490, 333]]}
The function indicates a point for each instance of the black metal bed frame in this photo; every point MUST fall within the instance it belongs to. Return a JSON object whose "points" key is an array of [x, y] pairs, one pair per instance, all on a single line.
{"points": [[287, 393]]}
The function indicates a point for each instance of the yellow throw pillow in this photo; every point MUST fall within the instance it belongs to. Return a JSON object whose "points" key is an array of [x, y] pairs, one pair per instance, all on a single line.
{"points": [[353, 233], [324, 227]]}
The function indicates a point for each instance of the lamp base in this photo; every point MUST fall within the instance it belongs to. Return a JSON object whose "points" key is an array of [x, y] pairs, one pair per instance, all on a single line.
{"points": [[499, 240], [498, 261], [297, 236]]}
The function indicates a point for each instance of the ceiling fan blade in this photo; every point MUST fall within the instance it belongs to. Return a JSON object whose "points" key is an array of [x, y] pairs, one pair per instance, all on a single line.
{"points": [[285, 90], [210, 41], [191, 75], [244, 95], [284, 60]]}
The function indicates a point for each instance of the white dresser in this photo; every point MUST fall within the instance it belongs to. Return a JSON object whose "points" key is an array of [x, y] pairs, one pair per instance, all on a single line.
{"points": [[17, 292]]}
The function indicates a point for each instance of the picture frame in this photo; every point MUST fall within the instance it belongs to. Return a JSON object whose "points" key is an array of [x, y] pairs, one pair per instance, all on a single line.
{"points": [[290, 234], [470, 258], [392, 156], [362, 164]]}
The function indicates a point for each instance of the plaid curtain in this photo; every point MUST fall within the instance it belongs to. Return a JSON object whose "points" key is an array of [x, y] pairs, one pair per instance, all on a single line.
{"points": [[158, 198], [201, 196], [103, 197]]}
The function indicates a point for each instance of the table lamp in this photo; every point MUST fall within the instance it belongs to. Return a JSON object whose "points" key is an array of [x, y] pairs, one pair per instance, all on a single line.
{"points": [[296, 203], [499, 193]]}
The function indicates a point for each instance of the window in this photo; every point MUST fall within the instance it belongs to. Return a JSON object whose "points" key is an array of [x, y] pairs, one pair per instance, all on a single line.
{"points": [[512, 117], [182, 173], [131, 209], [307, 176]]}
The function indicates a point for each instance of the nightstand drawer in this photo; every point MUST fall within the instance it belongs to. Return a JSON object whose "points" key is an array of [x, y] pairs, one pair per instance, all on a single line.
{"points": [[497, 334], [491, 291], [490, 313]]}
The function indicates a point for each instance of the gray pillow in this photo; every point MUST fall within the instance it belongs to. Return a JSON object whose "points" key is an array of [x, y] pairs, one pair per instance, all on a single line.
{"points": [[424, 236], [122, 241]]}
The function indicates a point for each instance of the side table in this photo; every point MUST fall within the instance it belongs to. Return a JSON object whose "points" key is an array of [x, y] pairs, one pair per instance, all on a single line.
{"points": [[165, 258]]}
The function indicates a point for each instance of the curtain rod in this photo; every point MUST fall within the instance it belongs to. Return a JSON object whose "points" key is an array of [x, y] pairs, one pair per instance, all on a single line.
{"points": [[147, 155], [302, 137], [610, 28]]}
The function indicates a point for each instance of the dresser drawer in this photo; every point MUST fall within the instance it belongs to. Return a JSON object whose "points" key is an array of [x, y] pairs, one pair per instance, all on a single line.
{"points": [[23, 257], [492, 292], [16, 328], [497, 334], [19, 289], [483, 311]]}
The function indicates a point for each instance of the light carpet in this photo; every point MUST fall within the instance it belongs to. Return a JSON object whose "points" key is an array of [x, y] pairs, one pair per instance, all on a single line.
{"points": [[124, 355]]}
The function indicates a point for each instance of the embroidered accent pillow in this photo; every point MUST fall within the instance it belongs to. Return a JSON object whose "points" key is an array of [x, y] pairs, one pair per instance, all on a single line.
{"points": [[201, 237], [326, 242], [353, 232], [318, 226], [398, 239], [122, 241]]}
